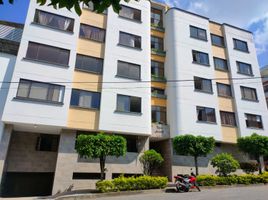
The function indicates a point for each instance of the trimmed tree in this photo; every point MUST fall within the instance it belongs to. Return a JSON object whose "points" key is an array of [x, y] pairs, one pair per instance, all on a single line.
{"points": [[225, 164], [196, 146], [255, 145], [151, 160], [100, 146]]}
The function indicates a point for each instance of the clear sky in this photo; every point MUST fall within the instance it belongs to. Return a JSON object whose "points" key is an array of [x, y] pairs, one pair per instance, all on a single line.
{"points": [[248, 14]]}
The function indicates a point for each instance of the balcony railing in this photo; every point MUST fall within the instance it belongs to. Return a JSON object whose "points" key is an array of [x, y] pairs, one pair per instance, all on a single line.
{"points": [[160, 130]]}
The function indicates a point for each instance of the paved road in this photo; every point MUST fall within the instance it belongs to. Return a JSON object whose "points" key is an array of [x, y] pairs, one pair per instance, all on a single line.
{"points": [[238, 193]]}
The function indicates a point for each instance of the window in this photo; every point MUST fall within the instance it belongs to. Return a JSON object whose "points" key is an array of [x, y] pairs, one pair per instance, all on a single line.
{"points": [[85, 99], [224, 90], [249, 93], [198, 33], [47, 53], [217, 40], [34, 90], [130, 13], [89, 64], [202, 84], [159, 93], [129, 40], [200, 58], [47, 142], [157, 43], [156, 18], [84, 176], [54, 21], [240, 45], [228, 118], [205, 114], [253, 121], [159, 115], [128, 70], [90, 7], [132, 144], [157, 69], [220, 64], [92, 33], [244, 68], [128, 104]]}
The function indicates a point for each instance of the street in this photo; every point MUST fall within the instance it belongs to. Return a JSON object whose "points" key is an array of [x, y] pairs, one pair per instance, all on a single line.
{"points": [[248, 193]]}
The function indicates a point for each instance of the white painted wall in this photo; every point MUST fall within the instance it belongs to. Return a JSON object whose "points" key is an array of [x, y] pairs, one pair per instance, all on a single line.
{"points": [[109, 119], [258, 108], [182, 99]]}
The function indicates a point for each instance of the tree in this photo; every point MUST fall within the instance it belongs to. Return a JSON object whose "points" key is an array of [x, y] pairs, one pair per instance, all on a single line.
{"points": [[99, 5], [255, 145], [151, 160], [196, 146], [225, 164], [100, 146], [249, 167]]}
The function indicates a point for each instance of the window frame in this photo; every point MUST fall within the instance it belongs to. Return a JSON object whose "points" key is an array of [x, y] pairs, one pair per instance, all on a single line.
{"points": [[226, 124], [133, 35], [161, 44], [89, 71], [253, 115], [53, 138], [158, 110], [92, 39], [243, 63], [214, 44], [199, 63], [221, 59], [130, 97], [206, 112], [129, 64], [159, 21], [252, 90], [134, 9], [221, 95], [202, 85], [197, 30], [239, 49], [85, 107]]}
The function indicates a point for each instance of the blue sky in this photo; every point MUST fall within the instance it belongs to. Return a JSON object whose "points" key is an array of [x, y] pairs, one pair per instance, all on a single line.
{"points": [[249, 14]]}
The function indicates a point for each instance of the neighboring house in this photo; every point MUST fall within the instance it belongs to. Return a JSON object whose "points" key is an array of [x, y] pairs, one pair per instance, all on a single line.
{"points": [[150, 73], [264, 74]]}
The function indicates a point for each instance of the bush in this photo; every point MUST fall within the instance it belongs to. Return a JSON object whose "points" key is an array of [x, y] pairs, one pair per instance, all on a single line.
{"points": [[151, 160], [132, 183], [249, 167], [225, 164]]}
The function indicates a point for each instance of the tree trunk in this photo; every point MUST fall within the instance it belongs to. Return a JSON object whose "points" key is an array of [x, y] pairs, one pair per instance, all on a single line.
{"points": [[196, 165], [102, 167], [259, 164]]}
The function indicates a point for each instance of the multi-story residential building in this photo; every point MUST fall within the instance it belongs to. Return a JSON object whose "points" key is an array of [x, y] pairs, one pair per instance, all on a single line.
{"points": [[149, 73], [264, 74]]}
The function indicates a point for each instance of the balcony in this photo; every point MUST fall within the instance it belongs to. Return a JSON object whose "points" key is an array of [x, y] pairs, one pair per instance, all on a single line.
{"points": [[160, 131], [158, 78]]}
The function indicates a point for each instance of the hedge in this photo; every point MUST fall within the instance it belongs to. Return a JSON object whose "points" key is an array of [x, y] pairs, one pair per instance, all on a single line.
{"points": [[210, 180], [132, 183]]}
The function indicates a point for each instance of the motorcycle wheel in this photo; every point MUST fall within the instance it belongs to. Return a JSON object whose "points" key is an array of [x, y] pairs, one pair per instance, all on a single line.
{"points": [[181, 188]]}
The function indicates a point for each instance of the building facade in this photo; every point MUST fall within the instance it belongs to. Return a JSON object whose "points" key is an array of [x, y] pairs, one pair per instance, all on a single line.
{"points": [[264, 74], [149, 73]]}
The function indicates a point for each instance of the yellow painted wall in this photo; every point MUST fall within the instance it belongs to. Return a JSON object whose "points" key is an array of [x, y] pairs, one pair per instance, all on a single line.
{"points": [[158, 102], [157, 33], [229, 134], [215, 28], [226, 104], [157, 58], [218, 52], [158, 85], [94, 19], [83, 119], [90, 48], [222, 77], [87, 77]]}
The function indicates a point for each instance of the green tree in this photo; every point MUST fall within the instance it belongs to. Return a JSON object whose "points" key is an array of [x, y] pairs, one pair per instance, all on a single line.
{"points": [[151, 160], [100, 146], [255, 145], [225, 164], [99, 5], [196, 146]]}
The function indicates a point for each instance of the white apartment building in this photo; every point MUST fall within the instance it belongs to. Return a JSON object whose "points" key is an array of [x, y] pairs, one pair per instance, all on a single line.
{"points": [[149, 73]]}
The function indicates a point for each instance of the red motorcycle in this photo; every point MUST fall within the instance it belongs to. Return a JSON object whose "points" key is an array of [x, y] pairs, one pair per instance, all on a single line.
{"points": [[184, 183]]}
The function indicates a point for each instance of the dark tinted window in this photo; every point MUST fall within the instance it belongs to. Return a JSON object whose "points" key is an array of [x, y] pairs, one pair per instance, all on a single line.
{"points": [[157, 69], [224, 90], [128, 104], [159, 114], [157, 43], [158, 92], [202, 84], [128, 70], [129, 40], [89, 64], [85, 99], [92, 33], [217, 40], [228, 118], [198, 33], [132, 144], [200, 58], [253, 121], [47, 143], [86, 176], [240, 45], [206, 114], [47, 53], [220, 64], [249, 93], [156, 18], [244, 68], [130, 13]]}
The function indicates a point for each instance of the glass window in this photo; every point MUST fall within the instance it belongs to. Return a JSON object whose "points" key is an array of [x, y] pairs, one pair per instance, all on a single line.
{"points": [[47, 53], [157, 43], [220, 64], [249, 93], [202, 84], [89, 64], [130, 13], [156, 18], [159, 114], [217, 40], [157, 69], [244, 68], [227, 118], [240, 45], [200, 57], [85, 99], [131, 143], [128, 70], [158, 92], [92, 33], [128, 104], [53, 20], [198, 33], [129, 40], [224, 90], [206, 114], [47, 142], [253, 121], [40, 91]]}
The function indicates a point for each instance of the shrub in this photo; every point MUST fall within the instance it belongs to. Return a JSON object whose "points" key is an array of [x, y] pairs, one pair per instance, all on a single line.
{"points": [[206, 180], [225, 164], [249, 167], [131, 183], [151, 160]]}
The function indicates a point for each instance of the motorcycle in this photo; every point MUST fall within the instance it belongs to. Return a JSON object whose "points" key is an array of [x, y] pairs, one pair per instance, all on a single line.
{"points": [[184, 183]]}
